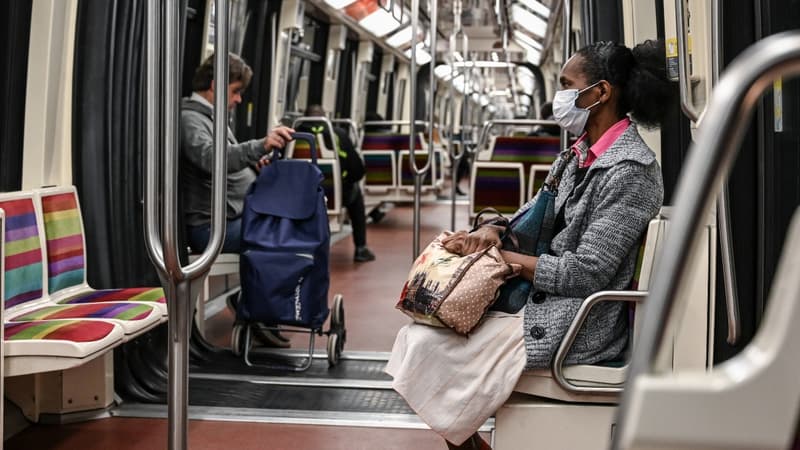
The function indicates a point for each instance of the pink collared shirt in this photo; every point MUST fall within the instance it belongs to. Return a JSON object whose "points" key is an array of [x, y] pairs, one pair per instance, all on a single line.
{"points": [[586, 158]]}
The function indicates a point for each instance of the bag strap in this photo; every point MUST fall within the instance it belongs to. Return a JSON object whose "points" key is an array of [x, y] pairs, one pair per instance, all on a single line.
{"points": [[554, 177], [498, 219]]}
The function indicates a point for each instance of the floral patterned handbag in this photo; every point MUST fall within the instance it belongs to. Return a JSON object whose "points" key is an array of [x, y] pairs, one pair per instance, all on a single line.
{"points": [[447, 290]]}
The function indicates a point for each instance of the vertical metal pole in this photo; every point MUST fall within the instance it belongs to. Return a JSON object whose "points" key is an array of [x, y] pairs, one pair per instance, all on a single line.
{"points": [[178, 332], [412, 110], [431, 112], [455, 157], [723, 201], [566, 42], [180, 284]]}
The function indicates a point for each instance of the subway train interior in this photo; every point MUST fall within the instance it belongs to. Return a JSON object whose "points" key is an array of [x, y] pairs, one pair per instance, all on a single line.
{"points": [[117, 334]]}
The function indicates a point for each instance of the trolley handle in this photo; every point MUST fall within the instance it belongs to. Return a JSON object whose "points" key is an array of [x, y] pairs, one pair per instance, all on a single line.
{"points": [[298, 136]]}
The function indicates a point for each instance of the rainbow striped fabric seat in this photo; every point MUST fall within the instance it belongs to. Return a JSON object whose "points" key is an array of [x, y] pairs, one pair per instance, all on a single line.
{"points": [[498, 187], [63, 343], [528, 150], [132, 317], [66, 256], [36, 346], [145, 294], [22, 251]]}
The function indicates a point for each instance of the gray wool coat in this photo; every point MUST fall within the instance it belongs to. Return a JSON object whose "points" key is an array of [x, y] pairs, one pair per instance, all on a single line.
{"points": [[606, 214], [197, 156]]}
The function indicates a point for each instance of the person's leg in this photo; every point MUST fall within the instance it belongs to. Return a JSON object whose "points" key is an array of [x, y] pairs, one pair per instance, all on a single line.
{"points": [[200, 235], [354, 202], [233, 236], [355, 209], [474, 442]]}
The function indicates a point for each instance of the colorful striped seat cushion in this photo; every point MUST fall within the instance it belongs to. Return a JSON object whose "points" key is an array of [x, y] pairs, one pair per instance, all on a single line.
{"points": [[64, 233], [23, 253], [64, 330], [115, 311], [141, 294], [379, 168], [497, 187]]}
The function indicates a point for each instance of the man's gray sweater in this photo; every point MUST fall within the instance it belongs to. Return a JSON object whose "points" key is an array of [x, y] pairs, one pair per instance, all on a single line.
{"points": [[197, 158], [605, 215]]}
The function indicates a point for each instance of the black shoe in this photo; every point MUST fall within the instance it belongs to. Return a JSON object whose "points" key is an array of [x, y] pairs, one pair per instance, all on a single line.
{"points": [[376, 215], [363, 254], [460, 192], [270, 338]]}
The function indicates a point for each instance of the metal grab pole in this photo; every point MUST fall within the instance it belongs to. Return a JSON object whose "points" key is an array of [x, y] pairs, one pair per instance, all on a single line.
{"points": [[723, 203], [455, 155], [566, 42], [419, 173], [489, 124], [181, 284], [710, 159]]}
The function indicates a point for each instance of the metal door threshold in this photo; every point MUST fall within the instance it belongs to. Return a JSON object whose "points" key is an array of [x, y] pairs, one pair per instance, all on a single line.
{"points": [[297, 381], [280, 416], [365, 372]]}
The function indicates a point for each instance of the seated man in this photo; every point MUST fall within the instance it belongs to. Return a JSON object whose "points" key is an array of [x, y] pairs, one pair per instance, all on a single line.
{"points": [[197, 149], [352, 169]]}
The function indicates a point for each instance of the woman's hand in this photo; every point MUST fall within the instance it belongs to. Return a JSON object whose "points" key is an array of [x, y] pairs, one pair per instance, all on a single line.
{"points": [[278, 137], [463, 243]]}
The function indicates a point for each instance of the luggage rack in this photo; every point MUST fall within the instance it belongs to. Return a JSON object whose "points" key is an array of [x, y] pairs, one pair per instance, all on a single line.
{"points": [[242, 340]]}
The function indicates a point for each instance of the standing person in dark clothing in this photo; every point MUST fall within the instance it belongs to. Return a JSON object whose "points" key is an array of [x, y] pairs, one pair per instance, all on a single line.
{"points": [[352, 169]]}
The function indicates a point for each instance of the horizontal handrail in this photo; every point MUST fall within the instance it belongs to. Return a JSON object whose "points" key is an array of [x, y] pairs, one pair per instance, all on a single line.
{"points": [[710, 159], [318, 119]]}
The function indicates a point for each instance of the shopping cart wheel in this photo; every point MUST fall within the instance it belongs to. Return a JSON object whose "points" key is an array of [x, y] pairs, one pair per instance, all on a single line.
{"points": [[334, 349], [237, 339], [337, 318]]}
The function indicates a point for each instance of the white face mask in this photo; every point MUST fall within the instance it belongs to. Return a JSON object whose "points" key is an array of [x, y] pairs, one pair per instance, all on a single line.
{"points": [[567, 114]]}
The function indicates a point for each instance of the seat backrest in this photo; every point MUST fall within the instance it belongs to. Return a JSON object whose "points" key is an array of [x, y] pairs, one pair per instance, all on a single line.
{"points": [[528, 150], [64, 237], [22, 255], [388, 142]]}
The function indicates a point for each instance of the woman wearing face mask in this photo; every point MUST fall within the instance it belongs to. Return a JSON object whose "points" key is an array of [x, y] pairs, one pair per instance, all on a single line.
{"points": [[610, 189]]}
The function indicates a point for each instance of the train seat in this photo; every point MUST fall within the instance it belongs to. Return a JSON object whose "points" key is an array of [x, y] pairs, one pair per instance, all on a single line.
{"points": [[331, 171], [36, 277], [44, 345], [553, 398], [507, 175]]}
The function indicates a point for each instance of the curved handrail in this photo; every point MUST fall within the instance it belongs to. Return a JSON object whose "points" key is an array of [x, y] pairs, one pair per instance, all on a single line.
{"points": [[710, 159], [318, 119], [489, 124], [352, 124], [684, 82], [557, 368]]}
